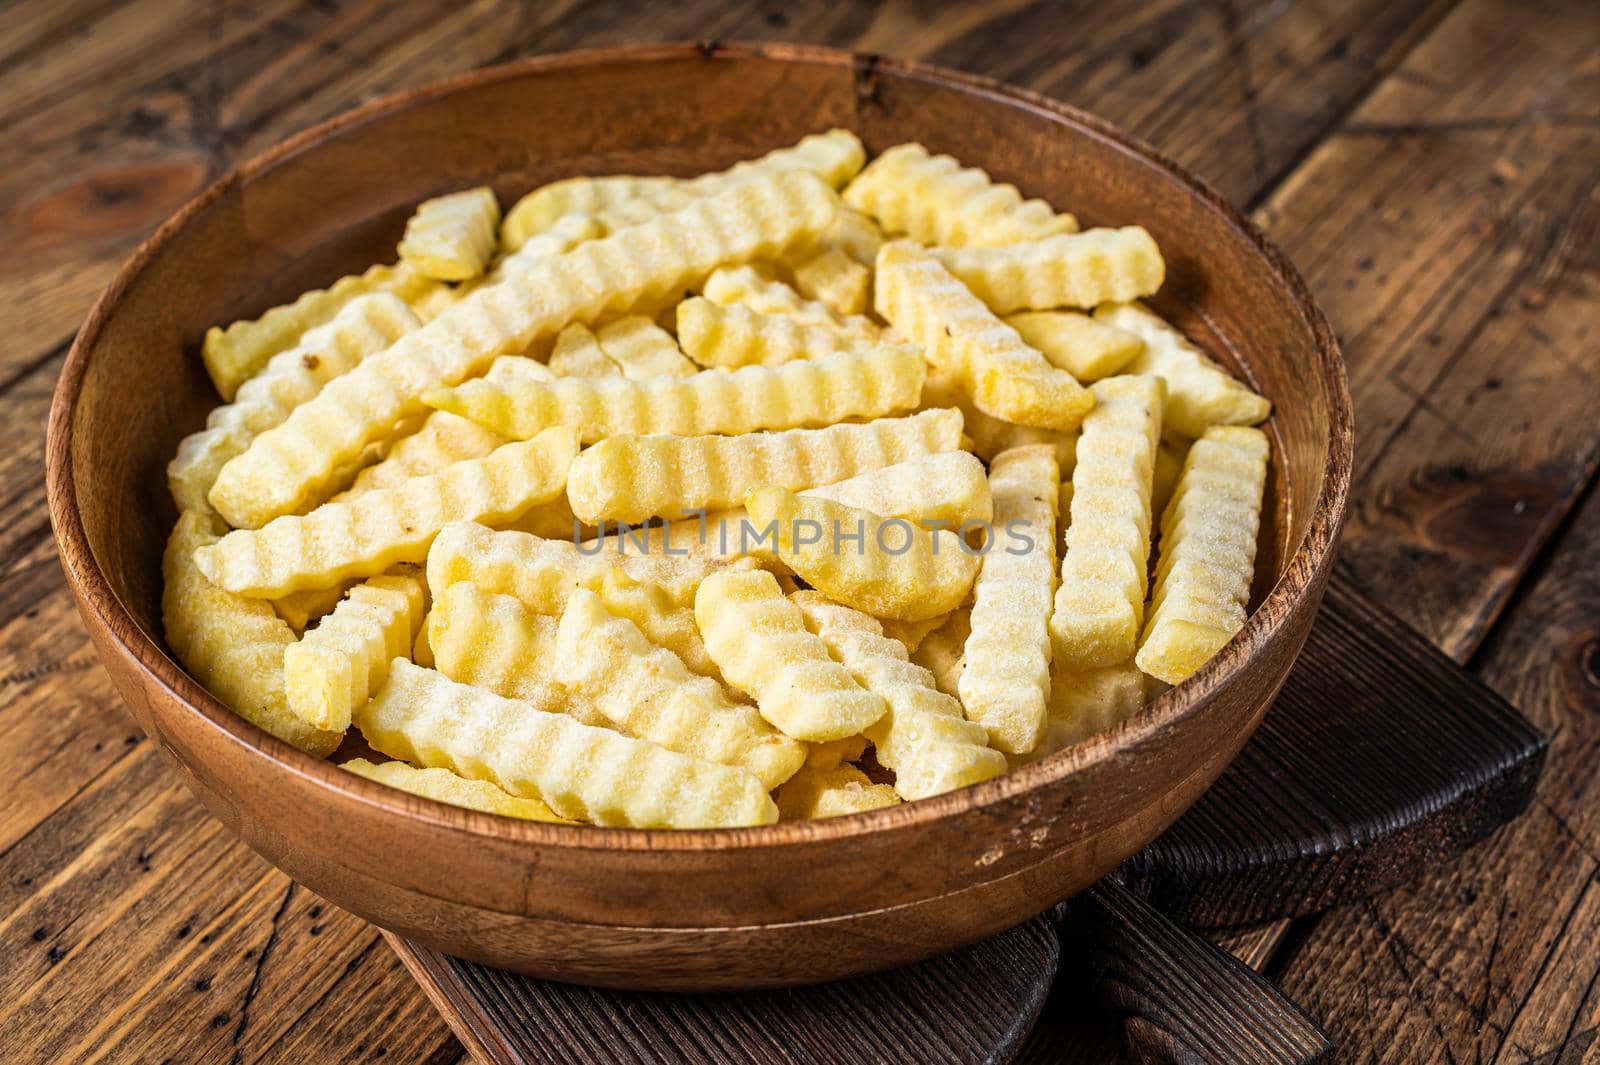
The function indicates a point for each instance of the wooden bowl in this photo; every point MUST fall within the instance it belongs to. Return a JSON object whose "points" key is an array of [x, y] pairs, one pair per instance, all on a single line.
{"points": [[784, 904]]}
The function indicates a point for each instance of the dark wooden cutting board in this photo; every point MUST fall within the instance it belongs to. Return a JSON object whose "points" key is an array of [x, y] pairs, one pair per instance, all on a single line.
{"points": [[1380, 759]]}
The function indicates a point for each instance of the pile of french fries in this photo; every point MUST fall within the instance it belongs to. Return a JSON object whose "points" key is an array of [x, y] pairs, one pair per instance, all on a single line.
{"points": [[799, 489]]}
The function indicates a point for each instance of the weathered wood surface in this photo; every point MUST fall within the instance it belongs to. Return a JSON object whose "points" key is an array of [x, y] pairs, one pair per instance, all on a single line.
{"points": [[1430, 167]]}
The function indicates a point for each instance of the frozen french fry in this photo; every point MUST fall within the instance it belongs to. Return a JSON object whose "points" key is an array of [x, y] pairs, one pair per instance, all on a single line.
{"points": [[759, 640], [1006, 683], [835, 280], [564, 234], [834, 753], [289, 465], [748, 286], [231, 644], [1100, 601], [645, 690], [1072, 270], [642, 349], [577, 353], [888, 567], [452, 237], [1082, 704], [1208, 551], [944, 490], [912, 633], [942, 651], [493, 642], [366, 535], [864, 384], [301, 609], [663, 622], [441, 785], [991, 435], [924, 738], [341, 662], [631, 478], [1085, 348], [1200, 393], [583, 773], [853, 233], [728, 337], [935, 200], [835, 792], [986, 357]]}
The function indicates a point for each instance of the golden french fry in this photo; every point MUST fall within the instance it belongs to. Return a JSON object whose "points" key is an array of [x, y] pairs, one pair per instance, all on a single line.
{"points": [[650, 607], [844, 789], [933, 199], [1072, 270], [493, 642], [631, 478], [986, 357], [759, 640], [366, 535], [947, 489], [1208, 551], [441, 785], [577, 353], [834, 753], [301, 609], [290, 464], [1082, 704], [748, 286], [888, 567], [584, 197], [232, 645], [452, 237], [835, 280], [820, 392], [726, 338], [924, 738], [646, 691], [990, 435], [942, 652], [1100, 602], [340, 663], [643, 349], [853, 233], [234, 355], [1200, 393], [564, 234], [581, 772], [1085, 348], [363, 326]]}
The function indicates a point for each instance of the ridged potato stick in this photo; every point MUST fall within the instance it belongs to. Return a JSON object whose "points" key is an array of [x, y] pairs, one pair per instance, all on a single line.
{"points": [[865, 384], [642, 349], [834, 156], [752, 287], [1005, 686], [924, 738], [493, 642], [564, 234], [645, 690], [234, 355], [728, 337], [1074, 270], [986, 357], [910, 634], [835, 792], [990, 435], [231, 644], [942, 652], [366, 535], [1200, 393], [663, 622], [580, 772], [1208, 553], [441, 785], [631, 478], [1086, 349], [760, 641], [835, 280], [935, 200], [851, 232], [887, 567], [947, 489], [365, 325], [835, 753], [577, 353], [341, 662], [291, 464], [1082, 704], [453, 237], [1100, 601], [300, 609]]}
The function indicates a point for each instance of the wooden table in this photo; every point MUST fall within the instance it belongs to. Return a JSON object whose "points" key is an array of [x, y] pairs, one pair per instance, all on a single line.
{"points": [[1430, 166]]}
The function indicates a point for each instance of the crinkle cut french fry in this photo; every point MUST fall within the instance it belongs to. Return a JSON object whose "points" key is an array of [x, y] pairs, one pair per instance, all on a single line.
{"points": [[582, 773], [453, 237], [935, 200], [577, 353], [1208, 550], [342, 661], [728, 337], [1200, 393], [1100, 601], [924, 738], [853, 233], [366, 535], [942, 652], [563, 235], [365, 325], [1082, 704], [759, 640], [645, 690], [631, 478], [289, 465], [1073, 270], [835, 156], [861, 384], [749, 286], [1087, 349], [986, 357], [643, 349], [887, 567], [844, 789], [665, 623], [835, 280], [991, 435], [948, 489], [231, 644], [492, 642], [910, 634], [833, 754], [234, 355], [1006, 683], [441, 785], [301, 609]]}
